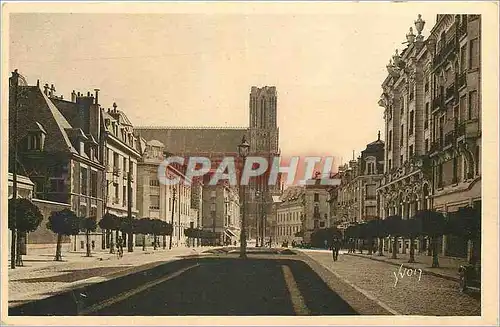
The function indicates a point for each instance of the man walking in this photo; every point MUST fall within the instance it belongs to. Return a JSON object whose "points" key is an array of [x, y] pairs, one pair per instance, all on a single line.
{"points": [[335, 249]]}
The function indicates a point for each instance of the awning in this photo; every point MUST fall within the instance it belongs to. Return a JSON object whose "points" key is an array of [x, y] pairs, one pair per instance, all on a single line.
{"points": [[229, 233]]}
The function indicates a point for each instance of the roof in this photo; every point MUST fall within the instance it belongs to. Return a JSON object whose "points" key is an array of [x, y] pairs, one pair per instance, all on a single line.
{"points": [[37, 107], [195, 140], [292, 193]]}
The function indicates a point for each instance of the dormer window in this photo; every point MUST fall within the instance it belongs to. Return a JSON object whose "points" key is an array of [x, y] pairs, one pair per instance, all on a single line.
{"points": [[36, 138], [35, 141]]}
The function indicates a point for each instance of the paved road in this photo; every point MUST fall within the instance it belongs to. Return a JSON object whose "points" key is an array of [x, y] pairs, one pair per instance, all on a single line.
{"points": [[214, 285], [426, 295]]}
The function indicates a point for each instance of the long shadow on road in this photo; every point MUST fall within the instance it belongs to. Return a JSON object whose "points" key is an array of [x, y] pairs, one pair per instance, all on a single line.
{"points": [[220, 286]]}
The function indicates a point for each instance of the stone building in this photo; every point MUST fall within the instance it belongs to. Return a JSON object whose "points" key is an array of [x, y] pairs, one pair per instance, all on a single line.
{"points": [[290, 215], [431, 100], [60, 158], [219, 142], [155, 199], [221, 212], [316, 207], [356, 195]]}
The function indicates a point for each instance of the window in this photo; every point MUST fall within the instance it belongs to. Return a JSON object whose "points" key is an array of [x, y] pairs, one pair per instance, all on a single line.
{"points": [[426, 145], [390, 164], [473, 105], [426, 117], [463, 107], [401, 160], [154, 202], [463, 58], [390, 140], [83, 181], [34, 142], [93, 183], [56, 185], [411, 151], [477, 158], [402, 106], [116, 157], [154, 182], [124, 165], [401, 139], [411, 122], [124, 196], [212, 207], [426, 87], [116, 194], [212, 194], [474, 53], [316, 197], [322, 224], [370, 191]]}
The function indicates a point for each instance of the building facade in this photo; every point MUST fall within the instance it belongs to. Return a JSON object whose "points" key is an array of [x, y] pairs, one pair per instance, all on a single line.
{"points": [[221, 212], [356, 196], [216, 143], [290, 215], [431, 100], [316, 207], [155, 200], [62, 159]]}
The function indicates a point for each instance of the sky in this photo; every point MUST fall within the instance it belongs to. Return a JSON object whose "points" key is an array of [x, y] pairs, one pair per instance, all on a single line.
{"points": [[197, 69]]}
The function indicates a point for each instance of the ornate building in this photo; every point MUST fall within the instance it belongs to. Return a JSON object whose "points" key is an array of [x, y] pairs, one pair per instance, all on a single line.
{"points": [[219, 142], [356, 197], [431, 101]]}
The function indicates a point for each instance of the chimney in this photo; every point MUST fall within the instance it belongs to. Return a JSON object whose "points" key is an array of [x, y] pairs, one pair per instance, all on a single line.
{"points": [[96, 96], [73, 96], [46, 89], [88, 94], [78, 94], [378, 135], [38, 83], [114, 107]]}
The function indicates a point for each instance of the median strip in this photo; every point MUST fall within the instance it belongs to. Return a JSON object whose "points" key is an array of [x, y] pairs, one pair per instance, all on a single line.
{"points": [[125, 295], [299, 305]]}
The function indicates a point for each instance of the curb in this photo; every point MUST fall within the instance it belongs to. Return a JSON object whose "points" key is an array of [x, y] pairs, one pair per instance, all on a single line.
{"points": [[405, 265]]}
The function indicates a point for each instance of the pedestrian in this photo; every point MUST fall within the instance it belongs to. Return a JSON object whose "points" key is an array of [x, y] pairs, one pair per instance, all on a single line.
{"points": [[335, 249]]}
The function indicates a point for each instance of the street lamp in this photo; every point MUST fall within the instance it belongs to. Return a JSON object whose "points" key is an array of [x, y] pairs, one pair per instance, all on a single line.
{"points": [[243, 150]]}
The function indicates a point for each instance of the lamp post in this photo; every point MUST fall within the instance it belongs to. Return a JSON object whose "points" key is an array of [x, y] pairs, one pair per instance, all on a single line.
{"points": [[172, 219], [243, 150]]}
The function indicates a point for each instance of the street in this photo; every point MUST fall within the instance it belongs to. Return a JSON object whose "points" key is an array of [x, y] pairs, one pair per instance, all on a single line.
{"points": [[264, 284], [269, 282]]}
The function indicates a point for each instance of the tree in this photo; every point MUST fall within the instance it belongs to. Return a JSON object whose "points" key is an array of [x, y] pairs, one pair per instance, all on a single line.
{"points": [[376, 229], [466, 223], [432, 224], [64, 222], [142, 226], [411, 228], [166, 229], [392, 226], [156, 228], [24, 217], [88, 225], [109, 222]]}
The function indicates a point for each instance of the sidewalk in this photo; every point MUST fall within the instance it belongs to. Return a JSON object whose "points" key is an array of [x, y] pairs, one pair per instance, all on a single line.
{"points": [[448, 267], [42, 277]]}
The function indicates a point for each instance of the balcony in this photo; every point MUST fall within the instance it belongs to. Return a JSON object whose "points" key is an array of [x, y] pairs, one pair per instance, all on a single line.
{"points": [[435, 146], [449, 139], [462, 80], [469, 129], [116, 171], [443, 53], [438, 102], [450, 92]]}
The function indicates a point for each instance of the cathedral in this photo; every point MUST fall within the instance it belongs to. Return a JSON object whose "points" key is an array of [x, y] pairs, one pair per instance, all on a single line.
{"points": [[216, 143]]}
